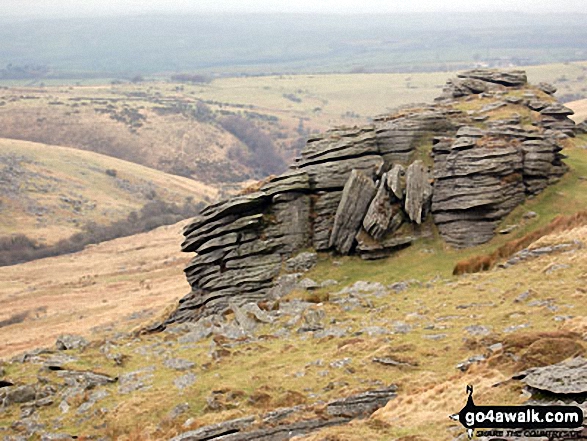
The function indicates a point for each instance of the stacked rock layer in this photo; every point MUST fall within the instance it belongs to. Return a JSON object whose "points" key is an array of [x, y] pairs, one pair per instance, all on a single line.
{"points": [[374, 189]]}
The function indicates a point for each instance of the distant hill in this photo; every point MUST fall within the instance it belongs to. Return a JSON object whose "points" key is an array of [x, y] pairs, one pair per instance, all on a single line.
{"points": [[284, 43], [49, 193]]}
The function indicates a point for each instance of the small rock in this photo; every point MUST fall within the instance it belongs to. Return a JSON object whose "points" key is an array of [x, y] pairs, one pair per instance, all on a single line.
{"points": [[69, 341], [308, 284], [340, 363], [478, 330], [530, 215], [399, 286], [56, 437], [199, 332], [556, 267], [435, 337], [515, 328], [328, 282], [496, 347], [522, 297], [20, 394], [313, 319], [464, 366], [63, 406], [284, 285], [178, 410], [388, 361], [302, 262], [508, 229]]}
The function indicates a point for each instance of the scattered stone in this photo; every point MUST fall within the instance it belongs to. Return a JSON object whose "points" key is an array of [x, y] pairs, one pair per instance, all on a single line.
{"points": [[478, 330], [363, 404], [85, 379], [515, 328], [56, 437], [388, 361], [313, 320], [435, 337], [496, 347], [136, 380], [216, 430], [522, 297], [308, 284], [68, 341], [530, 215], [199, 331], [337, 364], [464, 366], [19, 395], [301, 263], [508, 229], [328, 282], [399, 286], [178, 410]]}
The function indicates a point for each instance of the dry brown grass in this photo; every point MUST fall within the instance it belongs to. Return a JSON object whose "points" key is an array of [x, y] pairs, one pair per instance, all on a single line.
{"points": [[485, 262], [98, 287]]}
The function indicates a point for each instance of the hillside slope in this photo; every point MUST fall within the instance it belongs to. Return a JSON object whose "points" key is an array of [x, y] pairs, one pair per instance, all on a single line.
{"points": [[49, 192], [408, 322]]}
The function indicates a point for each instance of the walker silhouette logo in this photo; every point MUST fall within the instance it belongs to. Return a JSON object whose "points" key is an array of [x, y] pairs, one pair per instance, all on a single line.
{"points": [[528, 421]]}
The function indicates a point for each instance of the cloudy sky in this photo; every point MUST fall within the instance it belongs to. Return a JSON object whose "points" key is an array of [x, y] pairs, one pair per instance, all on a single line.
{"points": [[117, 7]]}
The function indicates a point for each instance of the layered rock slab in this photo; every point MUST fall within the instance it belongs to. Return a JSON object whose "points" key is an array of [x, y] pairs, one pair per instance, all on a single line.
{"points": [[369, 190]]}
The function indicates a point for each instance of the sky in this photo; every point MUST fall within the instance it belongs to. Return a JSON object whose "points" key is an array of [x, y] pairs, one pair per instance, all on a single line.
{"points": [[72, 8]]}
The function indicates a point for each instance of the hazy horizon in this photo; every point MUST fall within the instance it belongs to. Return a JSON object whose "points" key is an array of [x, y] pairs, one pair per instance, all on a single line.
{"points": [[73, 8]]}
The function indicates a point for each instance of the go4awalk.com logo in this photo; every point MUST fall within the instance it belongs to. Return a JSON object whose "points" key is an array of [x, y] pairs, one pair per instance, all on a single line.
{"points": [[527, 421]]}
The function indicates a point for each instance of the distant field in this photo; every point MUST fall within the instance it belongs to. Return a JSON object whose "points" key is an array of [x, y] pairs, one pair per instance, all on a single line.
{"points": [[100, 286], [50, 192], [580, 109], [179, 128]]}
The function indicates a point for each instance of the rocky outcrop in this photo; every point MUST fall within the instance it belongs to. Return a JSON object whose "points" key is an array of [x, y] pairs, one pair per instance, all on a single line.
{"points": [[278, 425], [369, 190], [566, 378]]}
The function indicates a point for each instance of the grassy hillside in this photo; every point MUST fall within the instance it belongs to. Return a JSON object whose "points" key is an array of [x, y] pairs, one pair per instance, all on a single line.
{"points": [[49, 192], [535, 309]]}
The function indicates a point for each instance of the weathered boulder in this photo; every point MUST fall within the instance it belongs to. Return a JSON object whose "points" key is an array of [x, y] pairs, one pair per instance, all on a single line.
{"points": [[506, 78], [379, 215], [68, 341], [418, 192], [547, 88], [566, 378], [356, 197], [473, 189]]}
